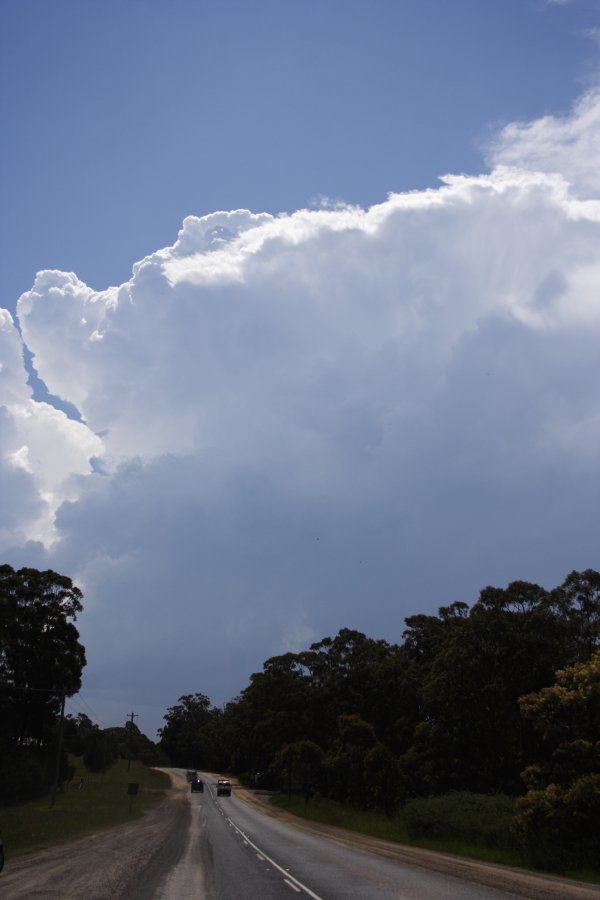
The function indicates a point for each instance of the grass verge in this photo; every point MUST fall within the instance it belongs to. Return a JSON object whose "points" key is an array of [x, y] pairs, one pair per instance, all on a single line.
{"points": [[398, 829], [101, 802]]}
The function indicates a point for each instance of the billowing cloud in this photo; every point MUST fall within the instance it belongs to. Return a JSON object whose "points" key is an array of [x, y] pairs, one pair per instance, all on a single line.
{"points": [[42, 452], [566, 144], [338, 417]]}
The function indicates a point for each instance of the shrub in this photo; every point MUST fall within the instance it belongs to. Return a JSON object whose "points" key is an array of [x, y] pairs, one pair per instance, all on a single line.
{"points": [[463, 816], [25, 775], [101, 751], [558, 827]]}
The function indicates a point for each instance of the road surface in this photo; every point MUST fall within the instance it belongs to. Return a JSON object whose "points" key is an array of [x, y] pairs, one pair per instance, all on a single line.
{"points": [[204, 847], [235, 850]]}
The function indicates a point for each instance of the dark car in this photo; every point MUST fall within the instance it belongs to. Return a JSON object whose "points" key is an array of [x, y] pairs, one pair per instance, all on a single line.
{"points": [[223, 788], [197, 786]]}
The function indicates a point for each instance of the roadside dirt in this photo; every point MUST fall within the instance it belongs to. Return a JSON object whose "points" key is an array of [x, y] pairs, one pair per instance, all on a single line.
{"points": [[113, 863], [118, 863]]}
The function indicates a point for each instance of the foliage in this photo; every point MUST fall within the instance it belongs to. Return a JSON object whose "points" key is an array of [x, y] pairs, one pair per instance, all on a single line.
{"points": [[346, 761], [578, 601], [134, 744], [182, 739], [100, 750], [26, 773], [383, 789], [300, 765], [75, 732], [41, 661], [558, 819], [462, 816], [473, 669], [40, 655], [437, 714], [102, 747]]}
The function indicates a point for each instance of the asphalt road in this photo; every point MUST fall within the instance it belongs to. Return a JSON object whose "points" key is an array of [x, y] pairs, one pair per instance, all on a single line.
{"points": [[233, 850], [204, 847]]}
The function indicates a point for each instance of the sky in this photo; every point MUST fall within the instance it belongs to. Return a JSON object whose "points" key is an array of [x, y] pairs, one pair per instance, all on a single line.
{"points": [[299, 320]]}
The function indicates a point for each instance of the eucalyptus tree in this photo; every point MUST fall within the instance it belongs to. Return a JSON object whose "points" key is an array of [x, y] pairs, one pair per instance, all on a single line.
{"points": [[474, 665], [41, 659], [41, 662], [559, 817], [183, 738]]}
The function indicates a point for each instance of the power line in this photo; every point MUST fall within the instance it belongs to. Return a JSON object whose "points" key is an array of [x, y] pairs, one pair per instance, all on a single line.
{"points": [[90, 714], [70, 700], [88, 709]]}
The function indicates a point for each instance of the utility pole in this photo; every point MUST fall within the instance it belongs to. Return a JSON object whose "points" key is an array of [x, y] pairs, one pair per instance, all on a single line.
{"points": [[132, 716], [58, 748]]}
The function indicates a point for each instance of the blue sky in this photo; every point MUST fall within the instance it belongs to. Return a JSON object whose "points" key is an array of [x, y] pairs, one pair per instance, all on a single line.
{"points": [[122, 118], [315, 289]]}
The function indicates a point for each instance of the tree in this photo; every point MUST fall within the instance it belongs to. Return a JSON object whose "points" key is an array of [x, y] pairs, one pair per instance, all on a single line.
{"points": [[471, 735], [346, 762], [350, 674], [101, 750], [274, 707], [382, 775], [41, 661], [559, 817], [578, 600], [75, 731], [299, 763], [134, 744], [183, 736], [438, 712], [40, 655]]}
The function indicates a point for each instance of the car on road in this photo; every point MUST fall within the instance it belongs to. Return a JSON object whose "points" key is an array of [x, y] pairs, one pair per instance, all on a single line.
{"points": [[197, 786], [223, 788]]}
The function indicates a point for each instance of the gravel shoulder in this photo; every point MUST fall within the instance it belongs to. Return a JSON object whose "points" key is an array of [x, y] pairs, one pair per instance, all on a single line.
{"points": [[112, 863], [118, 863]]}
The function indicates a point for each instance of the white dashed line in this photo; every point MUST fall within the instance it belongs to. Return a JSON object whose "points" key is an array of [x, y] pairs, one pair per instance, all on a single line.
{"points": [[289, 879]]}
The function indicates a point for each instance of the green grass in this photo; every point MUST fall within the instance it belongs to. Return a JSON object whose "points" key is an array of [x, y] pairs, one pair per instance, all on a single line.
{"points": [[101, 803], [457, 820]]}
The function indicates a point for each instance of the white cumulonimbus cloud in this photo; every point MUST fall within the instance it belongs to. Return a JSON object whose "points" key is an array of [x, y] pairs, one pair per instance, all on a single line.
{"points": [[569, 145], [294, 423]]}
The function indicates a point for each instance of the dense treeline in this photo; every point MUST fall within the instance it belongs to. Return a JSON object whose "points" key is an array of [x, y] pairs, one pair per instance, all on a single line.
{"points": [[502, 697]]}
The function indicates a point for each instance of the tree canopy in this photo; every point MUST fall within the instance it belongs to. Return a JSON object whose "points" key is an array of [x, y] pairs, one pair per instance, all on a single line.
{"points": [[561, 810], [182, 738], [41, 661]]}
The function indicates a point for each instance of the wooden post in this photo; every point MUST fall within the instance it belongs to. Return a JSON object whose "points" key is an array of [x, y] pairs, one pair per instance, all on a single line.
{"points": [[58, 749]]}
